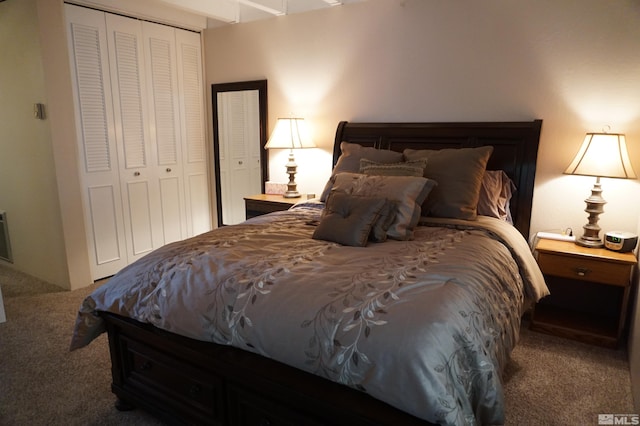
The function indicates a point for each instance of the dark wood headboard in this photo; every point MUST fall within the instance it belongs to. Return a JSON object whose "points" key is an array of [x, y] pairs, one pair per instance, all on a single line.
{"points": [[515, 149]]}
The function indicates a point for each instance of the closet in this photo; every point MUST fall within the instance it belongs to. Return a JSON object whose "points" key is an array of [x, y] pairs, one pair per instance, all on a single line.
{"points": [[139, 103]]}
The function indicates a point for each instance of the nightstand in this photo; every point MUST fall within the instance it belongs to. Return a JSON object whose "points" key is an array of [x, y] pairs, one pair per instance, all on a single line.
{"points": [[589, 292], [257, 205]]}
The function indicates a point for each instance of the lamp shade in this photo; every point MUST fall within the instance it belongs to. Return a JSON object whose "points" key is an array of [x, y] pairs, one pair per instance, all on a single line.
{"points": [[602, 155], [290, 133]]}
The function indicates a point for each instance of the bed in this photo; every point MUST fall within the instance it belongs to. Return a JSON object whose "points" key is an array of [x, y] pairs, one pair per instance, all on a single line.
{"points": [[379, 304]]}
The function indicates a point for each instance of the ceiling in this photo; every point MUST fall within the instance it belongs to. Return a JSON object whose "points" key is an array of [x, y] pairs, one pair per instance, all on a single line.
{"points": [[226, 12]]}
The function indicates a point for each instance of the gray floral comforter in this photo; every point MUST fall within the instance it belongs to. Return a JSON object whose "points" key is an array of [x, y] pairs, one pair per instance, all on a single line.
{"points": [[424, 325]]}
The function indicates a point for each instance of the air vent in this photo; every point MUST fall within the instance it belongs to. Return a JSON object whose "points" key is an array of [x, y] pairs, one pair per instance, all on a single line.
{"points": [[5, 246]]}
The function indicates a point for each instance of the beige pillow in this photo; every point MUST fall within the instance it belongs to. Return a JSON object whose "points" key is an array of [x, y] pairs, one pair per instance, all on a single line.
{"points": [[349, 161], [405, 168], [409, 192], [348, 219], [459, 175]]}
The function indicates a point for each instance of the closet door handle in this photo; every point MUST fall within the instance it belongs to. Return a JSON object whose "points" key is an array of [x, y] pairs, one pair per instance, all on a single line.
{"points": [[168, 169], [136, 173]]}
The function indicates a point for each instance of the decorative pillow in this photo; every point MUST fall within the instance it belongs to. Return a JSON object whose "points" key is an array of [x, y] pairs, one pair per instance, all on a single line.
{"points": [[349, 161], [406, 168], [459, 175], [348, 219], [409, 192], [495, 195], [384, 222]]}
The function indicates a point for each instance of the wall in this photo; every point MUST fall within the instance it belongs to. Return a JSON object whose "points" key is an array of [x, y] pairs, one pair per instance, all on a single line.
{"points": [[573, 64], [28, 189]]}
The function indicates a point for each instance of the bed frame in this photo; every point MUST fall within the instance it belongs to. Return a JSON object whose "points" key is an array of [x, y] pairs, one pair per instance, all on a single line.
{"points": [[184, 381]]}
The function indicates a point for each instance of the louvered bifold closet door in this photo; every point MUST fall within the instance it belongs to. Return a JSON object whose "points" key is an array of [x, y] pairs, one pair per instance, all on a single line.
{"points": [[164, 125], [141, 132], [193, 132], [95, 129], [138, 176]]}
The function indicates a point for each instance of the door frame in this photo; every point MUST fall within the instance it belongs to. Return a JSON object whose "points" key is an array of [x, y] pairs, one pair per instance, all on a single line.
{"points": [[261, 87]]}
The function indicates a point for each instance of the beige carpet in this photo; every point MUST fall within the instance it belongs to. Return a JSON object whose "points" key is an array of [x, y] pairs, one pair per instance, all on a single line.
{"points": [[41, 381], [550, 381]]}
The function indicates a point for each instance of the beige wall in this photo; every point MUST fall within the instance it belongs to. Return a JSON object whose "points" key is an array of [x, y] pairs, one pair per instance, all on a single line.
{"points": [[573, 64], [28, 189]]}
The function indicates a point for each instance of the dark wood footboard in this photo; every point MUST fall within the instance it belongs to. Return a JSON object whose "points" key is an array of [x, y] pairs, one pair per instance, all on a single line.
{"points": [[185, 381]]}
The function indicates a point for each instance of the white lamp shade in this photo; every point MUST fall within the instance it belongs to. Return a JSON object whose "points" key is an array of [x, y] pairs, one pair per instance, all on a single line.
{"points": [[602, 155], [290, 133]]}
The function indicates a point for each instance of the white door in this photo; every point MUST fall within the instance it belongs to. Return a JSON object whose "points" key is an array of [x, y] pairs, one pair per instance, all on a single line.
{"points": [[95, 129], [196, 179], [239, 151], [164, 127], [140, 108], [138, 176]]}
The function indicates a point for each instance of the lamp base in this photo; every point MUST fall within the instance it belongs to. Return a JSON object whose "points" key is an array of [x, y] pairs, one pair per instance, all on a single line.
{"points": [[589, 242], [292, 187], [595, 206]]}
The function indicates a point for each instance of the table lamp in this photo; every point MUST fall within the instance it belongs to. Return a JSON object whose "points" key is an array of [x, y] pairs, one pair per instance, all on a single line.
{"points": [[601, 155], [291, 133]]}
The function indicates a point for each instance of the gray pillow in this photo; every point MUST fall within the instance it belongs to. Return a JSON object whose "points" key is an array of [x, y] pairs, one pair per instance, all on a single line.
{"points": [[384, 222], [459, 175], [349, 161], [348, 219], [408, 192]]}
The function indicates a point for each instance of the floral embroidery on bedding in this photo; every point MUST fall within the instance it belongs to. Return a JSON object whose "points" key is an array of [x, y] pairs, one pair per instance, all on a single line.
{"points": [[228, 315], [470, 368], [179, 257], [358, 307]]}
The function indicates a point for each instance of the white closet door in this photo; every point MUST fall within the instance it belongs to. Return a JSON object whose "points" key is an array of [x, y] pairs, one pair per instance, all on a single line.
{"points": [[95, 130], [193, 132], [138, 178], [141, 132], [164, 125]]}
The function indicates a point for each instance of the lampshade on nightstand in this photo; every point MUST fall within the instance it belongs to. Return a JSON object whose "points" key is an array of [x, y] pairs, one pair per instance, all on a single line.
{"points": [[601, 155], [290, 133]]}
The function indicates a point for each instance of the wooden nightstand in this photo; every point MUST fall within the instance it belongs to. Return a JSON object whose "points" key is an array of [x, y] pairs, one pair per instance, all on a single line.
{"points": [[589, 292], [257, 205]]}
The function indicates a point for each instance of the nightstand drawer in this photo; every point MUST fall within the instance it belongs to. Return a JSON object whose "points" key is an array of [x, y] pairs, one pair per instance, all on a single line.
{"points": [[585, 269]]}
